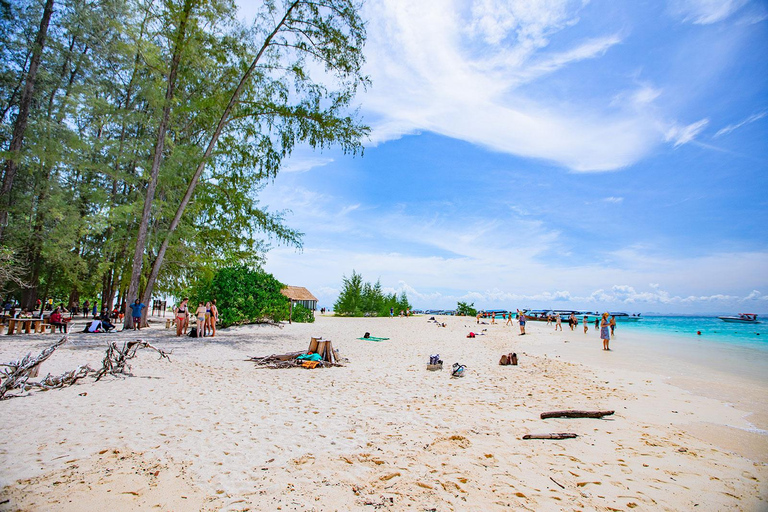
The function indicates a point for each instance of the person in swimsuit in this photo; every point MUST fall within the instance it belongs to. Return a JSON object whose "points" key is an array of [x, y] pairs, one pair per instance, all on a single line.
{"points": [[200, 314], [605, 333], [214, 317], [586, 324], [521, 321], [207, 327], [612, 323], [182, 317], [558, 322]]}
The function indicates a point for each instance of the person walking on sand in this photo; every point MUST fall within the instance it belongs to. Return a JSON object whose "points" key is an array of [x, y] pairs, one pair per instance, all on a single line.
{"points": [[136, 309], [478, 317], [558, 322], [605, 334], [214, 317], [549, 319], [521, 321], [182, 317], [586, 324], [207, 326], [200, 314], [509, 319], [493, 318], [612, 324]]}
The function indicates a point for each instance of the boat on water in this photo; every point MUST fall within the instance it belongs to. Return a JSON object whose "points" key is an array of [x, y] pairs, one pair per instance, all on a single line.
{"points": [[625, 317], [743, 318]]}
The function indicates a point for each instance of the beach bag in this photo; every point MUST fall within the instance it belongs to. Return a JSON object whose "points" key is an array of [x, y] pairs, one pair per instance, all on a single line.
{"points": [[471, 335], [504, 361], [193, 332], [367, 335]]}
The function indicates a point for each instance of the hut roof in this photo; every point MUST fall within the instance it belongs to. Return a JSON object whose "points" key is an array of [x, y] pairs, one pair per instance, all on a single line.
{"points": [[297, 293]]}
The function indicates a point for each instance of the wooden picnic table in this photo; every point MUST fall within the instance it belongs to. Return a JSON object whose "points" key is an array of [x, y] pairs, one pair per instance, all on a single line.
{"points": [[17, 325]]}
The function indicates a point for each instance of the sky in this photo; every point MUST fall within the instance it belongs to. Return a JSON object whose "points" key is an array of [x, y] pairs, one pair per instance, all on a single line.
{"points": [[602, 154]]}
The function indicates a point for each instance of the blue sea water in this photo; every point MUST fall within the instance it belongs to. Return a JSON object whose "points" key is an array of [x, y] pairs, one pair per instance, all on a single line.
{"points": [[712, 329]]}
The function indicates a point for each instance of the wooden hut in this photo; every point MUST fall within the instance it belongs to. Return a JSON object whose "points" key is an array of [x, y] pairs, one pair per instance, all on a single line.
{"points": [[300, 295]]}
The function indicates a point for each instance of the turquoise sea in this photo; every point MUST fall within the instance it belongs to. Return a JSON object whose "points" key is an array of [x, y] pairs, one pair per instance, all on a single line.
{"points": [[712, 329]]}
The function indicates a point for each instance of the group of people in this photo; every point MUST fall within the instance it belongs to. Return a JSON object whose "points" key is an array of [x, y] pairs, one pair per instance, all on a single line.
{"points": [[206, 315]]}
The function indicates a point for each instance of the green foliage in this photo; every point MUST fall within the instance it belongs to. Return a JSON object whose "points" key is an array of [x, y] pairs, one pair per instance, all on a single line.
{"points": [[464, 309], [358, 298], [302, 315], [93, 124], [243, 295]]}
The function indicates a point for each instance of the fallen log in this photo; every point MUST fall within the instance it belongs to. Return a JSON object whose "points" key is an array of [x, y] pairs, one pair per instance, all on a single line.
{"points": [[16, 373], [554, 435], [575, 414]]}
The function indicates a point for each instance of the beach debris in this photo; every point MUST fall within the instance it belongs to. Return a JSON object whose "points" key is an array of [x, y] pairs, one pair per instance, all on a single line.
{"points": [[558, 483], [553, 435], [575, 414], [508, 359], [116, 359], [16, 373], [320, 354]]}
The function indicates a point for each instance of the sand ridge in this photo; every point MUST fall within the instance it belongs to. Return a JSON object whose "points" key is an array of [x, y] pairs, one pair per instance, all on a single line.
{"points": [[381, 432]]}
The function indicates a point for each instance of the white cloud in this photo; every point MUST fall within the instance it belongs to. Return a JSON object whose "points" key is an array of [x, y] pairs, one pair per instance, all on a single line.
{"points": [[615, 200], [704, 12], [304, 164], [454, 67], [732, 127], [680, 135]]}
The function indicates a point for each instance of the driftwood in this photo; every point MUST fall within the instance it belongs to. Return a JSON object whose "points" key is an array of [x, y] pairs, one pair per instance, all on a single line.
{"points": [[65, 379], [575, 414], [16, 373], [554, 435], [116, 359], [324, 348]]}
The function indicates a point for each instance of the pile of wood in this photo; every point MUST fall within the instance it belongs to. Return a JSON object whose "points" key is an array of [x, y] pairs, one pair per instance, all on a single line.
{"points": [[324, 348]]}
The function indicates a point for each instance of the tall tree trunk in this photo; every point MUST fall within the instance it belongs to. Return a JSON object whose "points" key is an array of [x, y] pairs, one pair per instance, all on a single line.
{"points": [[20, 127], [141, 238], [204, 160]]}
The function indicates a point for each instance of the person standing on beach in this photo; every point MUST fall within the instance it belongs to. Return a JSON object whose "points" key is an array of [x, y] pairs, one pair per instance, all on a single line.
{"points": [[612, 324], [509, 320], [605, 334], [200, 314], [597, 322], [558, 322], [478, 317], [136, 309], [182, 317], [572, 322], [214, 317], [391, 312], [521, 321], [586, 324], [86, 308]]}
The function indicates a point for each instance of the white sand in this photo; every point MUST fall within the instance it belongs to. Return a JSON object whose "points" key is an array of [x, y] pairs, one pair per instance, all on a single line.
{"points": [[209, 431]]}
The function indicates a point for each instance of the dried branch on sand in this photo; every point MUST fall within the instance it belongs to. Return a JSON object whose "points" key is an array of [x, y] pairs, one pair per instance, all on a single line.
{"points": [[116, 359], [16, 373]]}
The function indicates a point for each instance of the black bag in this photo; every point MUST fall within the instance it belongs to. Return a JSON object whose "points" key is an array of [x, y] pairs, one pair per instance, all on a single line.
{"points": [[367, 335], [193, 332]]}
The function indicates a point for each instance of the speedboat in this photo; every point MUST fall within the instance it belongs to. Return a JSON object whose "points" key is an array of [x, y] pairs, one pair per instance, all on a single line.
{"points": [[625, 317], [743, 318]]}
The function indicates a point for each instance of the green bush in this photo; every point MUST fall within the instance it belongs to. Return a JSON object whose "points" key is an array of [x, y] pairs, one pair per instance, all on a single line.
{"points": [[302, 315], [243, 296], [464, 309]]}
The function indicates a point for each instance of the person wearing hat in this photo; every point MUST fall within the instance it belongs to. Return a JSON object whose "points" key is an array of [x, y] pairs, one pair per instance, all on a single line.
{"points": [[605, 332]]}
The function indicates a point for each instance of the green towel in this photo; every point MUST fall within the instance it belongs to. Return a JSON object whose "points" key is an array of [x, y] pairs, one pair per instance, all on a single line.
{"points": [[310, 357], [373, 338]]}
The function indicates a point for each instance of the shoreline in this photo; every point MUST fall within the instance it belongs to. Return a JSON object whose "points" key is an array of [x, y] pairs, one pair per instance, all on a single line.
{"points": [[382, 430]]}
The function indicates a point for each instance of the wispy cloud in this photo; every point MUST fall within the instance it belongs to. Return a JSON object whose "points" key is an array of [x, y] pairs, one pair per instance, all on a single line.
{"points": [[732, 127], [680, 135], [455, 67], [305, 164], [614, 200], [704, 12]]}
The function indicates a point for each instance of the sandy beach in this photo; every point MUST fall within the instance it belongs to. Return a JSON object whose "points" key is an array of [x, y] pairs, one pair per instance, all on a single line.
{"points": [[210, 431]]}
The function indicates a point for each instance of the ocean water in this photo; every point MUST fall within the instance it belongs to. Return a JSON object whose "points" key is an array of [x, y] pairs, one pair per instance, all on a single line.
{"points": [[712, 329]]}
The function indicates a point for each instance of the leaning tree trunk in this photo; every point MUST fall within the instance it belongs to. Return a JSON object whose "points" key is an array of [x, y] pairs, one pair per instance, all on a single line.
{"points": [[204, 160], [20, 126], [162, 129]]}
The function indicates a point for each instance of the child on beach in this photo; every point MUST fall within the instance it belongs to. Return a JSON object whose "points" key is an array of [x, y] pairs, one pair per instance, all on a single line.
{"points": [[586, 324], [558, 322], [604, 331], [612, 323]]}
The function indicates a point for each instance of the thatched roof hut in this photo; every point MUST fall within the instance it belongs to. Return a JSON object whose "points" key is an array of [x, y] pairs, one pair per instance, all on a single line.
{"points": [[300, 295]]}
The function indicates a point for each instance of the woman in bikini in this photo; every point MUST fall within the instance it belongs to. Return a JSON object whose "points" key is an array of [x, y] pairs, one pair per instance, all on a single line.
{"points": [[182, 317], [214, 317]]}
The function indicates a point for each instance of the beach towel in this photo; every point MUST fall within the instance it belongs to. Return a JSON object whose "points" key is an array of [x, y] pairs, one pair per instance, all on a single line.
{"points": [[373, 338], [310, 357]]}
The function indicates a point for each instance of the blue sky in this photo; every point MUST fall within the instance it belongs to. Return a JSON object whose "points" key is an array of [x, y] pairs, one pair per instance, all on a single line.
{"points": [[553, 153]]}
